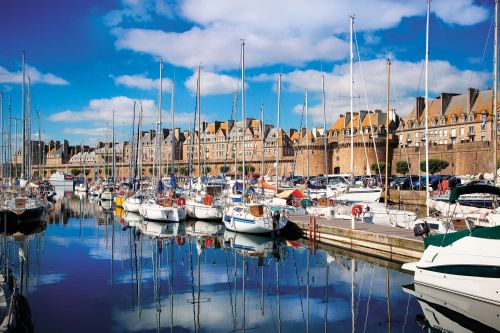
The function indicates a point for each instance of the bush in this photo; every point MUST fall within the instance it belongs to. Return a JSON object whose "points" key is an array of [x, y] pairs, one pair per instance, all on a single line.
{"points": [[375, 167], [183, 170], [249, 168], [435, 165], [402, 167]]}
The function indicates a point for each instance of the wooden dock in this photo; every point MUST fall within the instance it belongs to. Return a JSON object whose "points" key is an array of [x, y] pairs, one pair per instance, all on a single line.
{"points": [[396, 244]]}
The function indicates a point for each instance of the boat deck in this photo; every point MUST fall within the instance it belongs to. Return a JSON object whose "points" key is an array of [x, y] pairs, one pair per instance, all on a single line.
{"points": [[386, 242]]}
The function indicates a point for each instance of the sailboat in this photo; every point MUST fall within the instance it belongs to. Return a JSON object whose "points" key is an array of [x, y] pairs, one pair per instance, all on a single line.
{"points": [[202, 205], [166, 209], [247, 216]]}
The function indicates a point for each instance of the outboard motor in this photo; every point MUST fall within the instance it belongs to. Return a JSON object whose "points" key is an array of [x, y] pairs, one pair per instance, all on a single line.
{"points": [[422, 229]]}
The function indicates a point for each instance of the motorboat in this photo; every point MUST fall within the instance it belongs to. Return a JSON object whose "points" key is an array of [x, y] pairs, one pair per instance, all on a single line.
{"points": [[466, 263], [132, 203], [59, 179], [253, 218], [203, 208], [151, 209]]}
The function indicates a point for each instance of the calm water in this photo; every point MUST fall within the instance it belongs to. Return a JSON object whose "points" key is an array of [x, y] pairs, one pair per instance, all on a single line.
{"points": [[91, 270]]}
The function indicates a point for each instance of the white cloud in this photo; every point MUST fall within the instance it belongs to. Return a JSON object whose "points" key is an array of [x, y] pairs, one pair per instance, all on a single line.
{"points": [[212, 83], [34, 74], [140, 81], [138, 10], [405, 76], [281, 31], [100, 111]]}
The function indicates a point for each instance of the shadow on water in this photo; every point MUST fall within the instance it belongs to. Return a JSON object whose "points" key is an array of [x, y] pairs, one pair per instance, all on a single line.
{"points": [[128, 275]]}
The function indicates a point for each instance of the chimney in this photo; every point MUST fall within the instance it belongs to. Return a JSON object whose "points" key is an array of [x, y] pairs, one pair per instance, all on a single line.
{"points": [[470, 99], [445, 101], [419, 106]]}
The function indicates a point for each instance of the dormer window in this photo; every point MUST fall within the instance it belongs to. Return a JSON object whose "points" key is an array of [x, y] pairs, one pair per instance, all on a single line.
{"points": [[471, 117], [453, 120], [462, 119], [433, 122], [443, 121]]}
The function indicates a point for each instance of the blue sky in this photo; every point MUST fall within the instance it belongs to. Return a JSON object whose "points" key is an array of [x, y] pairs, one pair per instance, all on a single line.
{"points": [[88, 57]]}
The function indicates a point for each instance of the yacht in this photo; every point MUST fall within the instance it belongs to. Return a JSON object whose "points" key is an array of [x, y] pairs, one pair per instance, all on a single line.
{"points": [[59, 179], [133, 203], [466, 263], [253, 218], [203, 208], [151, 209]]}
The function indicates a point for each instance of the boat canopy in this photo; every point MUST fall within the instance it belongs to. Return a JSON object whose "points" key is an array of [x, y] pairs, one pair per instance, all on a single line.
{"points": [[457, 191], [449, 238]]}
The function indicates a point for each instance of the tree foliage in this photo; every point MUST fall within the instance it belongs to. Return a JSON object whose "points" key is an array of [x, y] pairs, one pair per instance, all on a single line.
{"points": [[435, 165], [375, 167], [402, 167]]}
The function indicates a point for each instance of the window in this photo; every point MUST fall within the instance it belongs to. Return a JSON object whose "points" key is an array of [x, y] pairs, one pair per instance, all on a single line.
{"points": [[441, 134], [471, 117], [443, 121], [433, 122], [445, 133], [462, 131], [471, 129], [453, 120], [453, 133]]}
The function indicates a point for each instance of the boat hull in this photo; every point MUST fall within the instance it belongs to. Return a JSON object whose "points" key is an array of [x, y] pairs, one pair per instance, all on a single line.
{"points": [[203, 212], [165, 214], [247, 223]]}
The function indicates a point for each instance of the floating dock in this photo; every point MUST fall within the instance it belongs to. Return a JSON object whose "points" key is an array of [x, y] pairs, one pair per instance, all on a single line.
{"points": [[395, 244]]}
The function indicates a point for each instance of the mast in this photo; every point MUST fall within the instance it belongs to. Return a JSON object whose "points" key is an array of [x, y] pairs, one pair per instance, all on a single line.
{"points": [[40, 148], [495, 93], [138, 157], [325, 141], [243, 114], [9, 141], [173, 128], [199, 125], [2, 143], [113, 156], [160, 131], [28, 129], [278, 133], [23, 149], [106, 161], [262, 129], [427, 194], [132, 168], [307, 139], [235, 135], [351, 59], [387, 131]]}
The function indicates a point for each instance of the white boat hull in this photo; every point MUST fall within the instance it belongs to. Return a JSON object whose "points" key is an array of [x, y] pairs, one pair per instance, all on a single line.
{"points": [[203, 212], [465, 267], [132, 205], [248, 223], [160, 213]]}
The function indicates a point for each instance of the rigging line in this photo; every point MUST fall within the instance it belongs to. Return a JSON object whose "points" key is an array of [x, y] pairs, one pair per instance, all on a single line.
{"points": [[300, 292], [369, 297], [360, 129], [366, 99], [473, 74], [360, 289], [300, 129]]}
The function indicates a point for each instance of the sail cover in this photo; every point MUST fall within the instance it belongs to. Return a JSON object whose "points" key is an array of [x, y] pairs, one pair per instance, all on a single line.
{"points": [[457, 191]]}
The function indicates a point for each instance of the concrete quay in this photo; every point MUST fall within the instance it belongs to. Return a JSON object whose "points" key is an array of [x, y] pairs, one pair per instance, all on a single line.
{"points": [[395, 244]]}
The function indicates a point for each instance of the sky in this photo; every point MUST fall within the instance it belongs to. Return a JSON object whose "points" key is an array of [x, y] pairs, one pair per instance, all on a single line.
{"points": [[88, 58]]}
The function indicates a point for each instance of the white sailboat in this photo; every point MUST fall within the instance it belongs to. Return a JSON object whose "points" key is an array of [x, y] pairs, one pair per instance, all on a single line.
{"points": [[244, 216], [201, 205]]}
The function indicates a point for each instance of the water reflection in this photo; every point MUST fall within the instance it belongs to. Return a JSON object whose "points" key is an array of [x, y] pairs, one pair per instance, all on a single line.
{"points": [[96, 268]]}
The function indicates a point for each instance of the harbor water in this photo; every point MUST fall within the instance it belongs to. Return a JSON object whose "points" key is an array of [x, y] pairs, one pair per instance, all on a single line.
{"points": [[93, 268]]}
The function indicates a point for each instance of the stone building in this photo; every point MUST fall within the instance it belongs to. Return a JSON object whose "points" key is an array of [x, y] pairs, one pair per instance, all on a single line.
{"points": [[460, 132]]}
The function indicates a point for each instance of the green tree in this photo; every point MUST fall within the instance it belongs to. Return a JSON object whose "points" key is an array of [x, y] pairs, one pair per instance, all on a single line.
{"points": [[248, 169], [109, 171], [75, 172], [224, 169], [435, 165], [402, 167], [376, 167], [87, 172], [207, 169], [183, 170], [150, 170]]}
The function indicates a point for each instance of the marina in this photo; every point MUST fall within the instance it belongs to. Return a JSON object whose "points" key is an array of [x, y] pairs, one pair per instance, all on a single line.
{"points": [[268, 194]]}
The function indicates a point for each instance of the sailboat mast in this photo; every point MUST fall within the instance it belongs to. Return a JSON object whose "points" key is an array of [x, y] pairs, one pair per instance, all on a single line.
{"points": [[307, 138], [243, 113], [2, 145], [351, 59], [132, 147], [28, 134], [113, 172], [173, 128], [278, 132], [160, 131], [23, 149], [199, 118], [40, 147], [262, 129], [387, 132], [138, 157], [427, 196], [235, 134], [325, 141], [495, 93]]}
